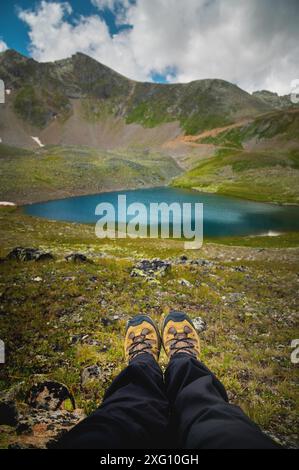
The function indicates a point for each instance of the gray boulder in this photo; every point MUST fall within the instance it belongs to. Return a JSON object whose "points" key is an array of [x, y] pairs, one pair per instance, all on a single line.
{"points": [[199, 324], [77, 258], [90, 373], [49, 395], [151, 268], [29, 254]]}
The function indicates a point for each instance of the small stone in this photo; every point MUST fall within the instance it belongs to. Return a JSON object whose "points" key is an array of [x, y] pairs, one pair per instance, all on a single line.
{"points": [[151, 269], [76, 258], [37, 279], [81, 337], [185, 283], [44, 256], [69, 278], [80, 300], [203, 262], [240, 269], [90, 373], [235, 296], [108, 321], [199, 324]]}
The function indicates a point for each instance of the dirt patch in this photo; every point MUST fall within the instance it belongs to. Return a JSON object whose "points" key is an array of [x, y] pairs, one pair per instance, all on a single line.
{"points": [[109, 133]]}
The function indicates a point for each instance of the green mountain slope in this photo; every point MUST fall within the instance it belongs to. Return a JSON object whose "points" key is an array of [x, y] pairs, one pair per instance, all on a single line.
{"points": [[283, 125], [228, 140], [43, 92], [259, 160], [274, 100], [58, 172]]}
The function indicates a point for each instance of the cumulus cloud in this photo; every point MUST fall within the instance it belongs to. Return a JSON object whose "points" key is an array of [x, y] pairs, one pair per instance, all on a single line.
{"points": [[54, 35], [111, 4], [118, 7], [253, 44], [3, 46]]}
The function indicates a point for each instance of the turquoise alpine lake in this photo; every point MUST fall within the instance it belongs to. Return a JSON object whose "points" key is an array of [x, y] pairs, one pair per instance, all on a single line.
{"points": [[222, 215]]}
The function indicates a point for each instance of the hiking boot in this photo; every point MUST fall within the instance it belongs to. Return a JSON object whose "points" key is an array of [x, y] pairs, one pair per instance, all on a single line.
{"points": [[179, 335], [142, 336]]}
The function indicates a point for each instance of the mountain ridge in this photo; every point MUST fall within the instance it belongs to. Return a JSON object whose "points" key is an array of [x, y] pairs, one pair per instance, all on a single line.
{"points": [[43, 92], [102, 131]]}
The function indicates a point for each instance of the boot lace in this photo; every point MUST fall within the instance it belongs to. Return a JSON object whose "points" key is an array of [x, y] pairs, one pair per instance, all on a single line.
{"points": [[181, 342], [140, 344]]}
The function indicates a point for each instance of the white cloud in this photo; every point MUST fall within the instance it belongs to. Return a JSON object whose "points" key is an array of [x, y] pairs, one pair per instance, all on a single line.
{"points": [[118, 7], [110, 4], [53, 37], [3, 46], [254, 44]]}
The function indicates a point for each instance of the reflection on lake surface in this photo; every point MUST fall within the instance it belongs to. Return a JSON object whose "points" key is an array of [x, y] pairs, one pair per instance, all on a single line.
{"points": [[223, 216]]}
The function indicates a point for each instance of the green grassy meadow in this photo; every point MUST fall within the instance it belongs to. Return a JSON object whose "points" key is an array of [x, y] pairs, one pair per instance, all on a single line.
{"points": [[248, 295]]}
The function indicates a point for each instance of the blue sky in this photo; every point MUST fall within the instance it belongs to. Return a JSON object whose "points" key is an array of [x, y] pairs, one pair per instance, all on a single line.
{"points": [[12, 30], [254, 44], [15, 32]]}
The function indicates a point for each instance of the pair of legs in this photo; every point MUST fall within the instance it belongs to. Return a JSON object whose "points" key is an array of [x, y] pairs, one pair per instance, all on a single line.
{"points": [[187, 408]]}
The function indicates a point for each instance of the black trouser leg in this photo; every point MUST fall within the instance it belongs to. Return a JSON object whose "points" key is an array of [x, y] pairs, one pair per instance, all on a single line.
{"points": [[134, 412], [201, 413]]}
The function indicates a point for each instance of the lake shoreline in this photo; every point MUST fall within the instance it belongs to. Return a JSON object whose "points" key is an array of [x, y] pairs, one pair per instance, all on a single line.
{"points": [[228, 194], [223, 215], [71, 194], [22, 203]]}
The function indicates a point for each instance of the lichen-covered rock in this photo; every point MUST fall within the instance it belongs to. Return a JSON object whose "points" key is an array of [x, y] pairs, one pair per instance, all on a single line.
{"points": [[76, 258], [199, 324], [29, 254], [151, 269], [108, 321], [49, 395], [185, 283], [202, 262], [90, 373], [39, 429]]}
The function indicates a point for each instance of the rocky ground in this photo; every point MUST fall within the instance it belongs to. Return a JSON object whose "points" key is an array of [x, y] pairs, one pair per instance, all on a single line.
{"points": [[65, 303]]}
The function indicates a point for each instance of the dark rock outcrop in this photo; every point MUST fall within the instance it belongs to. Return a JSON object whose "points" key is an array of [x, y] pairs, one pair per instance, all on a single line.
{"points": [[29, 254], [49, 395], [76, 258], [151, 268], [8, 413]]}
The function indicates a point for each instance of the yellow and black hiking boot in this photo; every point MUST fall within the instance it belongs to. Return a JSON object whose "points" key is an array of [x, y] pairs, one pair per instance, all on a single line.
{"points": [[179, 335], [142, 336]]}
